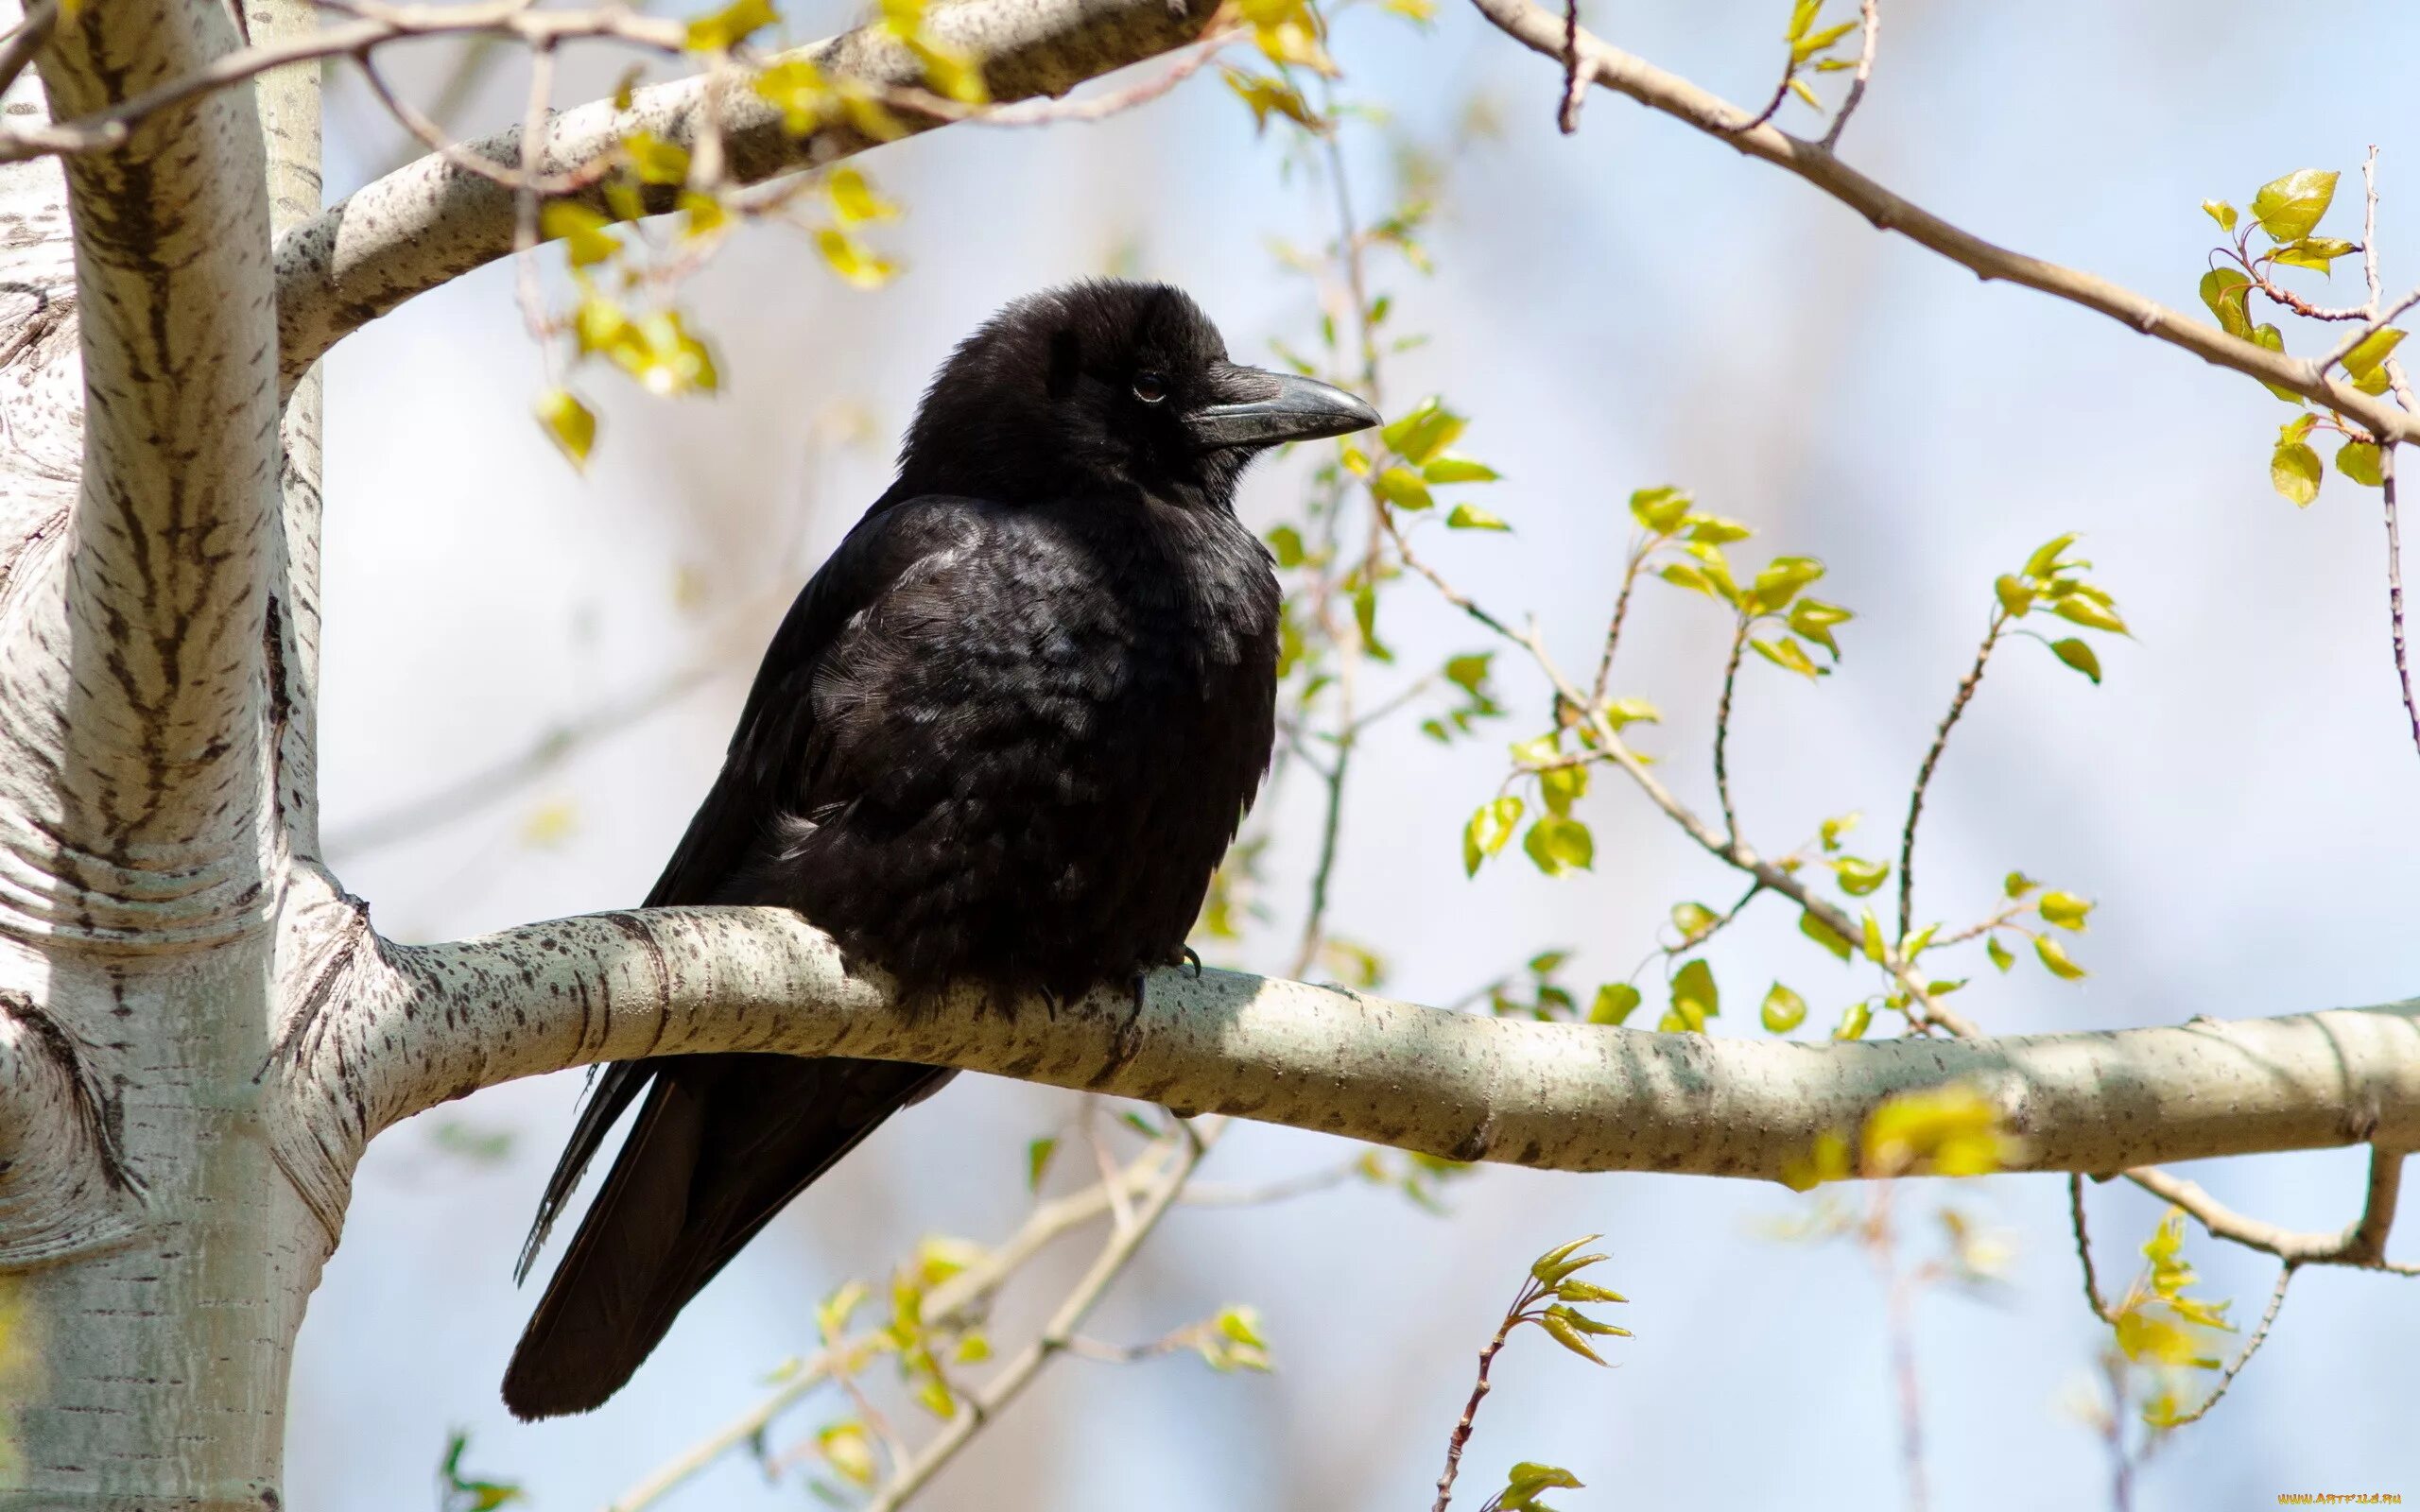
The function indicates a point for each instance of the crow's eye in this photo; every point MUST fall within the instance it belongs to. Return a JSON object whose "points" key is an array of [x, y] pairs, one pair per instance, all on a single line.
{"points": [[1151, 388]]}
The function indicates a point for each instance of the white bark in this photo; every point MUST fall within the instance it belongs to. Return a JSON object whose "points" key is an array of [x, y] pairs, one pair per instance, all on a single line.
{"points": [[199, 1032], [406, 1027]]}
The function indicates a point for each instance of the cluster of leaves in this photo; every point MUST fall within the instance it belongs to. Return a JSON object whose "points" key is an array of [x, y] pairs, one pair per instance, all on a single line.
{"points": [[2051, 583], [2284, 216], [1293, 34], [2161, 1327], [621, 315], [1551, 1298], [1955, 1129], [1814, 49], [459, 1492]]}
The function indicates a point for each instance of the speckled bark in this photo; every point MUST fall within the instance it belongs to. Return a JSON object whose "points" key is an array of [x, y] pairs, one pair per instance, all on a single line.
{"points": [[406, 1027]]}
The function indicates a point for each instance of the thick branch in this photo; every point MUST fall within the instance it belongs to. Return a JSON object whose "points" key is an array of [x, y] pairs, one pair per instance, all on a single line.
{"points": [[432, 221], [1813, 161], [407, 1027], [135, 688]]}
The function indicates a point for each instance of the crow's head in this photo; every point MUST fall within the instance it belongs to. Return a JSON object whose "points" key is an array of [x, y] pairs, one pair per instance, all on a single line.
{"points": [[1108, 387]]}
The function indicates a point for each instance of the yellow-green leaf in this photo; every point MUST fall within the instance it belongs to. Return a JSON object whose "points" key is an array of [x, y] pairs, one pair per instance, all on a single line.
{"points": [[1490, 828], [2361, 462], [1660, 509], [1467, 517], [2091, 614], [721, 30], [2287, 208], [856, 262], [2226, 290], [569, 424], [1402, 487], [2367, 360], [1783, 1009], [2064, 909], [2078, 655], [2294, 470], [1695, 998], [854, 200], [1419, 436], [1855, 1021], [2221, 212], [1614, 1003], [1823, 934], [1450, 468], [654, 160], [584, 232], [2014, 595], [1560, 845], [2054, 957]]}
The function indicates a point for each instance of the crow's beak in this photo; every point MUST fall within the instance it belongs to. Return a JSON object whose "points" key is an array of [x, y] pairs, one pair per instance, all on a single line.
{"points": [[1270, 408]]}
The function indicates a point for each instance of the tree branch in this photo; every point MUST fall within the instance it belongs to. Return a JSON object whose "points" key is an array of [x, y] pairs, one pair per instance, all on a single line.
{"points": [[406, 1027], [432, 221], [135, 691], [1677, 98]]}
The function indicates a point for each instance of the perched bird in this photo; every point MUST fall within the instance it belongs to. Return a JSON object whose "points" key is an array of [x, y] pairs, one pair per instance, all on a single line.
{"points": [[1003, 737]]}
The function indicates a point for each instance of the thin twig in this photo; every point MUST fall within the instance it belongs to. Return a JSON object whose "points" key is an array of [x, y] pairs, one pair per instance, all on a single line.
{"points": [[1723, 736], [26, 39], [2395, 590], [1575, 88], [1932, 759], [1613, 627], [2083, 1249], [1542, 32], [1460, 1437], [2222, 1222], [1869, 19], [1899, 1297], [2243, 1356], [1019, 1372], [435, 137]]}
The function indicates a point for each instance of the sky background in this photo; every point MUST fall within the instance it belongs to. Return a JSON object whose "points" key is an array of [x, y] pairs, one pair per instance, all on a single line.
{"points": [[1634, 305]]}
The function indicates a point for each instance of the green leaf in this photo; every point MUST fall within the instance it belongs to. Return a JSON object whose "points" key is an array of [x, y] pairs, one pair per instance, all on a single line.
{"points": [[1468, 672], [1561, 786], [1560, 845], [1871, 928], [1450, 468], [1428, 429], [1859, 877], [724, 30], [1783, 1009], [1802, 15], [2014, 595], [1813, 619], [1782, 577], [1998, 952], [2361, 462], [1560, 1329], [1660, 509], [1788, 654], [1682, 575], [1714, 530], [1614, 1003], [2294, 470], [1813, 42], [1467, 517], [2045, 558], [1694, 921], [2064, 909], [1527, 1479], [1694, 997], [2227, 292], [2367, 360], [1855, 1021], [2314, 252], [2270, 338], [1822, 934], [2078, 655], [1490, 826], [2016, 885], [1286, 545], [584, 232], [2090, 613], [569, 424], [1037, 1160], [1402, 487], [2287, 208], [656, 161], [2054, 957], [2220, 211], [1556, 1264]]}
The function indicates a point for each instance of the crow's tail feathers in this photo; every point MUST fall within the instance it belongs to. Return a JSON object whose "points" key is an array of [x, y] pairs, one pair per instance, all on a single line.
{"points": [[722, 1142]]}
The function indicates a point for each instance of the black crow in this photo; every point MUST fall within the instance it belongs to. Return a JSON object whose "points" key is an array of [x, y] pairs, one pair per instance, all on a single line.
{"points": [[1003, 737]]}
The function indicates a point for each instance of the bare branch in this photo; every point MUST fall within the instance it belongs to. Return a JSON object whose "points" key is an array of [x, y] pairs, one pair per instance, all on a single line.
{"points": [[1958, 702], [402, 1028], [431, 221], [2349, 1247], [2243, 1356], [1685, 102], [1870, 26]]}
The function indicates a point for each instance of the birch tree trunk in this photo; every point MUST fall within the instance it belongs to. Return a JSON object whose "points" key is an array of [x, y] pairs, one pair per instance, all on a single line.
{"points": [[201, 1032]]}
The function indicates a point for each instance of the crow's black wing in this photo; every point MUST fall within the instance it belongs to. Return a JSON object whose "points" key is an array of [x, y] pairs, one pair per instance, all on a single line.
{"points": [[723, 1142]]}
